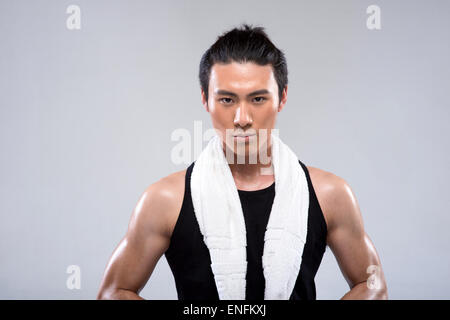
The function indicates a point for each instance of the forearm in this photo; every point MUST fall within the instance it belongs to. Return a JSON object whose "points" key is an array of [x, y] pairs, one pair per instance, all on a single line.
{"points": [[362, 292], [118, 294]]}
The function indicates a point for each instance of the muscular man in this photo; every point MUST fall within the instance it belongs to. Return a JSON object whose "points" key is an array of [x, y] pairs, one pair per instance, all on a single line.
{"points": [[243, 79]]}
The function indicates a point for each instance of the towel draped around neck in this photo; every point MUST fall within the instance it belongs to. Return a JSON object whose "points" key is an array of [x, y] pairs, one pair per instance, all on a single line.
{"points": [[219, 214]]}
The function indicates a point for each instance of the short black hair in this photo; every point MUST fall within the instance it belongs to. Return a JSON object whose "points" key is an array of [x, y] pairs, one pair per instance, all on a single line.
{"points": [[244, 44]]}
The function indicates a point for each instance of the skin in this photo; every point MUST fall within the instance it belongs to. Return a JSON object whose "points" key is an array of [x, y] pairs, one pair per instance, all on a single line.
{"points": [[154, 217]]}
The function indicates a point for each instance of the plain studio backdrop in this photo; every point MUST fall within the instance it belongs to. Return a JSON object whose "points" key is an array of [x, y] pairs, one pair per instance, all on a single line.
{"points": [[87, 117]]}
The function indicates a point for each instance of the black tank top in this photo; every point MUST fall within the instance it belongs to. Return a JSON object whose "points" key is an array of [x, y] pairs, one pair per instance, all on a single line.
{"points": [[190, 262]]}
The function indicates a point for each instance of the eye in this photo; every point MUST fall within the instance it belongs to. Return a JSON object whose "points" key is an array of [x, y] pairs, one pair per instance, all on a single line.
{"points": [[262, 99], [226, 100]]}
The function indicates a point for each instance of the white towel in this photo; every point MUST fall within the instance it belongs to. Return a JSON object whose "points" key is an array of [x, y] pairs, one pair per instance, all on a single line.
{"points": [[219, 213]]}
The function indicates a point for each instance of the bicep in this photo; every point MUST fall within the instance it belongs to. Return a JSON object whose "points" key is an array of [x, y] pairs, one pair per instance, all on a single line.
{"points": [[352, 247], [135, 258], [355, 253]]}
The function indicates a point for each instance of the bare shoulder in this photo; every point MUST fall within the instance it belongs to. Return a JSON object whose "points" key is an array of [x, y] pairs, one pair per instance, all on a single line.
{"points": [[336, 198], [160, 203]]}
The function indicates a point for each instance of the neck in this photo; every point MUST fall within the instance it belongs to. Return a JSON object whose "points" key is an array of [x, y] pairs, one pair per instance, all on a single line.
{"points": [[253, 175]]}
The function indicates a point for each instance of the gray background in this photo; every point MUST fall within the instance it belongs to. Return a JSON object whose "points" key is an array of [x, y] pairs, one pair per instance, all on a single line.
{"points": [[86, 118]]}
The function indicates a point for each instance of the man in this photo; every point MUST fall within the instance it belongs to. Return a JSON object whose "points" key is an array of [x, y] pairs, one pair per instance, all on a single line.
{"points": [[243, 79]]}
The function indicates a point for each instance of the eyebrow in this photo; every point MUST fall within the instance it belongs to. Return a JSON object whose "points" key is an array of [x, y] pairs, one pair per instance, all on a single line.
{"points": [[229, 93]]}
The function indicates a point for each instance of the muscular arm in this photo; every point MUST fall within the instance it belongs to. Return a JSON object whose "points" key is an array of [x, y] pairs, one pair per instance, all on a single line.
{"points": [[146, 239], [354, 251]]}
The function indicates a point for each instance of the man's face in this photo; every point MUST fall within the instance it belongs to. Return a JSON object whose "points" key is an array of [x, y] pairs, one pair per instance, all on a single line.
{"points": [[243, 101]]}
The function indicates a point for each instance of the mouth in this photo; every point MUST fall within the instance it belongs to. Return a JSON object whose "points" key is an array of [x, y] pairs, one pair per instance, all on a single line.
{"points": [[243, 137]]}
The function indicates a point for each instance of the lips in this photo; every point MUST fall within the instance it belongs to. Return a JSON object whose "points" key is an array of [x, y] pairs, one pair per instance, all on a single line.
{"points": [[244, 135]]}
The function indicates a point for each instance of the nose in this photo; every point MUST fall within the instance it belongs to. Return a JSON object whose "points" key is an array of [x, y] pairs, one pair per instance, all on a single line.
{"points": [[242, 117]]}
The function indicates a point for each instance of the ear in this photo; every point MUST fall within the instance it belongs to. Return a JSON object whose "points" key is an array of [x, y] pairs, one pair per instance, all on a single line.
{"points": [[283, 99], [204, 101]]}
